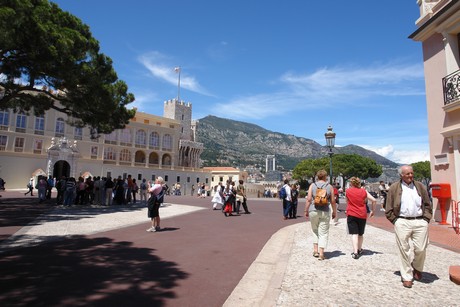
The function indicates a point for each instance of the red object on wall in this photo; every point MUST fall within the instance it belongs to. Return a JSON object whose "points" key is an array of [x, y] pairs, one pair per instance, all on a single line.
{"points": [[442, 192]]}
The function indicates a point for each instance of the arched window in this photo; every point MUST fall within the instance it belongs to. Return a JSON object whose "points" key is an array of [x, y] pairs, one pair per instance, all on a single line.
{"points": [[167, 142], [125, 137], [166, 160], [60, 127], [139, 157], [153, 158], [140, 138], [110, 154], [154, 141], [125, 155]]}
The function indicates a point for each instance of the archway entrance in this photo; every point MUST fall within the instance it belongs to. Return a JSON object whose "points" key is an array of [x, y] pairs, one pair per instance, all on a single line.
{"points": [[61, 168]]}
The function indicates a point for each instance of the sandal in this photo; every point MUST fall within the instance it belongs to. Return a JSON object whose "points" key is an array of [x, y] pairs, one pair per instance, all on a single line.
{"points": [[315, 254], [321, 257], [355, 256]]}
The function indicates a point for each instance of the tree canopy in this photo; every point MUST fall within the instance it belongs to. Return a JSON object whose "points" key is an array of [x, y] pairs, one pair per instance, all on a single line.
{"points": [[49, 60], [345, 164], [422, 171]]}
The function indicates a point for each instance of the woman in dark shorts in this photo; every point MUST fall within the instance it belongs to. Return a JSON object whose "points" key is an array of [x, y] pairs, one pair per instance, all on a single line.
{"points": [[157, 192], [357, 214]]}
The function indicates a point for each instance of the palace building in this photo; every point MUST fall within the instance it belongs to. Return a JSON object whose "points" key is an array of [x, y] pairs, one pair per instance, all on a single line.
{"points": [[148, 147]]}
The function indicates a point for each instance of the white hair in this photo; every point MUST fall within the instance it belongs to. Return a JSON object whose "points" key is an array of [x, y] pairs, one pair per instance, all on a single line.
{"points": [[401, 167]]}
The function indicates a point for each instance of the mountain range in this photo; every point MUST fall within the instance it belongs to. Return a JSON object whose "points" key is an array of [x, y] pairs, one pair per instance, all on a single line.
{"points": [[235, 143]]}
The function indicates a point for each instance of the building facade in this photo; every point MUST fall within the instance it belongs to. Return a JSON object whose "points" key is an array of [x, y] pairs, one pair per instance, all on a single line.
{"points": [[438, 29], [148, 147], [270, 163]]}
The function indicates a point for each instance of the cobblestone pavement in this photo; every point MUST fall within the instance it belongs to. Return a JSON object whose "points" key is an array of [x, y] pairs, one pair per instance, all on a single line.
{"points": [[372, 280]]}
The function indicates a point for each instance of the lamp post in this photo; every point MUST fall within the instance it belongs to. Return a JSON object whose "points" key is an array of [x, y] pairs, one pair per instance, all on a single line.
{"points": [[330, 142]]}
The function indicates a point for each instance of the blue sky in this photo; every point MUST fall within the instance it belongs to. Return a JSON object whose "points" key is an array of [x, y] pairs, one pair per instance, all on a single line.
{"points": [[290, 66]]}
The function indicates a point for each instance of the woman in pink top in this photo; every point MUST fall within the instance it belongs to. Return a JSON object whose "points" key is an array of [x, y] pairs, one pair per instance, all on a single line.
{"points": [[357, 214]]}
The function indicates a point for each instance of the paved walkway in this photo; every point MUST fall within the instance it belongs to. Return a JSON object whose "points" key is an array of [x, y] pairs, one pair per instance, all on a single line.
{"points": [[284, 273]]}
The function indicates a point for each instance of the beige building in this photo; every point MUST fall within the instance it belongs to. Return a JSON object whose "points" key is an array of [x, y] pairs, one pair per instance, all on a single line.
{"points": [[148, 147], [222, 174], [439, 32]]}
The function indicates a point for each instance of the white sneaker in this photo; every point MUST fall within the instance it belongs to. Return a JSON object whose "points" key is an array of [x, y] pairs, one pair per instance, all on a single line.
{"points": [[381, 209], [151, 229]]}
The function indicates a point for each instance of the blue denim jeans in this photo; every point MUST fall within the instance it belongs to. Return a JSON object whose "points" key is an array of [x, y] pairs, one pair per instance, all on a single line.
{"points": [[286, 207]]}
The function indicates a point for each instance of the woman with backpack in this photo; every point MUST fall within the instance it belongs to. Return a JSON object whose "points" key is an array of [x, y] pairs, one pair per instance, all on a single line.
{"points": [[320, 199]]}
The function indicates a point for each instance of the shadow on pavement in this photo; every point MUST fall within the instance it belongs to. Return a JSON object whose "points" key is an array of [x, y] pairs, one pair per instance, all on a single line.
{"points": [[81, 272]]}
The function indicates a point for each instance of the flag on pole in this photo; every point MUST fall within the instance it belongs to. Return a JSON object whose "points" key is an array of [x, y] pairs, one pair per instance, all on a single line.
{"points": [[177, 69]]}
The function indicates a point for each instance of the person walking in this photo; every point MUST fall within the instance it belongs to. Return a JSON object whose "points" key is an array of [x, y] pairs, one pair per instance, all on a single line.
{"points": [[30, 186], [409, 208], [319, 214], [357, 214], [218, 197], [241, 198]]}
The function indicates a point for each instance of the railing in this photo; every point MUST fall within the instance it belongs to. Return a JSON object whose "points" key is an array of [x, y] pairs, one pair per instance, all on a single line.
{"points": [[455, 216], [451, 87]]}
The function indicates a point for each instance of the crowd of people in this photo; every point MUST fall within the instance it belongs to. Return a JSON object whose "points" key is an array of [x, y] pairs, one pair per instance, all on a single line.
{"points": [[91, 190], [230, 197]]}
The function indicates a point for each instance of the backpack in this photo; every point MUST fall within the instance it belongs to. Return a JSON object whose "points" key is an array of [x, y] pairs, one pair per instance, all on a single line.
{"points": [[143, 186], [283, 193], [156, 199], [321, 196]]}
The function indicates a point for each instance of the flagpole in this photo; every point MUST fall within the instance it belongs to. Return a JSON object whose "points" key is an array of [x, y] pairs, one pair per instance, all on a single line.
{"points": [[178, 69]]}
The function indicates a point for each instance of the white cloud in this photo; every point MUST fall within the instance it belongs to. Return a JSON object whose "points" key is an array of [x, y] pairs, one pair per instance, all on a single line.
{"points": [[400, 156], [328, 86], [360, 82], [144, 100]]}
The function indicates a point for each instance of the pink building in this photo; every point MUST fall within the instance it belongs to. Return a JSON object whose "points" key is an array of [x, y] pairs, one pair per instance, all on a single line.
{"points": [[439, 32]]}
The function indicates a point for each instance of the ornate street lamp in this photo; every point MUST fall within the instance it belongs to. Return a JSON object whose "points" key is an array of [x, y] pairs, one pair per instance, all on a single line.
{"points": [[330, 142]]}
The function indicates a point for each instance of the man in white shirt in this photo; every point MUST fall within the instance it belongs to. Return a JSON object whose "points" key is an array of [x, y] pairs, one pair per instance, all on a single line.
{"points": [[287, 200], [409, 208]]}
